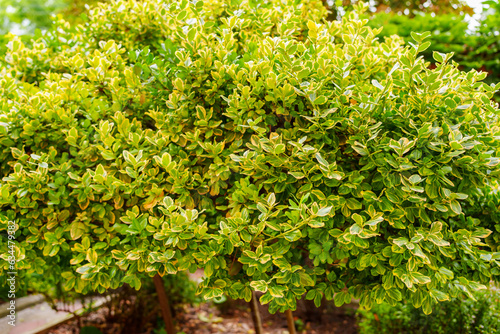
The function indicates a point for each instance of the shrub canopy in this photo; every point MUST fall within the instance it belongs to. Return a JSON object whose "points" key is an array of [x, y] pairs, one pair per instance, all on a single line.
{"points": [[279, 152]]}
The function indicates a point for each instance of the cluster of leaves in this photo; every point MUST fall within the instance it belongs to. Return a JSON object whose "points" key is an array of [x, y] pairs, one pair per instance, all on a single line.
{"points": [[278, 151], [479, 49], [458, 316]]}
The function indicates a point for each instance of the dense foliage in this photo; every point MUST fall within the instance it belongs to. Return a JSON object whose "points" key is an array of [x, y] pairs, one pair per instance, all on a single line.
{"points": [[278, 151], [457, 316]]}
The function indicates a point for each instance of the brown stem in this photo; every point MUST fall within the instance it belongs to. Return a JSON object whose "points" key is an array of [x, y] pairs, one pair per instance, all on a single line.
{"points": [[78, 321], [290, 321], [254, 306], [164, 304]]}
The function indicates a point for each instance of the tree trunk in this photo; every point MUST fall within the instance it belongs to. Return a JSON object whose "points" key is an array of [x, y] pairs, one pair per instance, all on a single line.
{"points": [[164, 304], [254, 306], [290, 321]]}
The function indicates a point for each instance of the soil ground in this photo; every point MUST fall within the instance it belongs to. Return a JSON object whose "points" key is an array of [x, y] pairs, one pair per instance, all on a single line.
{"points": [[232, 317]]}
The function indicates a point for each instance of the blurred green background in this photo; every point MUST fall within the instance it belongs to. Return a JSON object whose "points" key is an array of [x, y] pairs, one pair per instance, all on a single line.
{"points": [[23, 17]]}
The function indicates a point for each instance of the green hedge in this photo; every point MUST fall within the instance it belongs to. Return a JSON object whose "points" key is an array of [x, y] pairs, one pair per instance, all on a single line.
{"points": [[458, 316]]}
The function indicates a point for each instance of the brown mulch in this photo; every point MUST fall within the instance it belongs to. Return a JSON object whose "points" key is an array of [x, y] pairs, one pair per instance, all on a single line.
{"points": [[232, 317]]}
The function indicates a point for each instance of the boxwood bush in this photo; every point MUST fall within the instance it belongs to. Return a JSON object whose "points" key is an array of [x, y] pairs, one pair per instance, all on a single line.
{"points": [[277, 151]]}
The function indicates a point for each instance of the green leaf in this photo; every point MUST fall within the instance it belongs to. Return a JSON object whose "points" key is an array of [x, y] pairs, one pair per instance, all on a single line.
{"points": [[280, 148], [321, 160], [77, 230], [324, 211], [262, 208], [427, 306], [436, 227], [265, 298], [375, 221], [355, 229], [83, 269], [339, 298], [424, 46], [293, 235], [417, 37], [260, 285], [275, 292], [311, 294], [377, 84], [316, 224], [394, 294], [440, 296], [271, 199], [361, 150], [439, 57], [400, 241], [297, 175], [481, 233], [455, 207], [335, 232], [414, 179], [305, 279], [358, 219], [353, 204], [247, 294], [320, 100], [303, 73], [420, 278], [317, 300]]}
